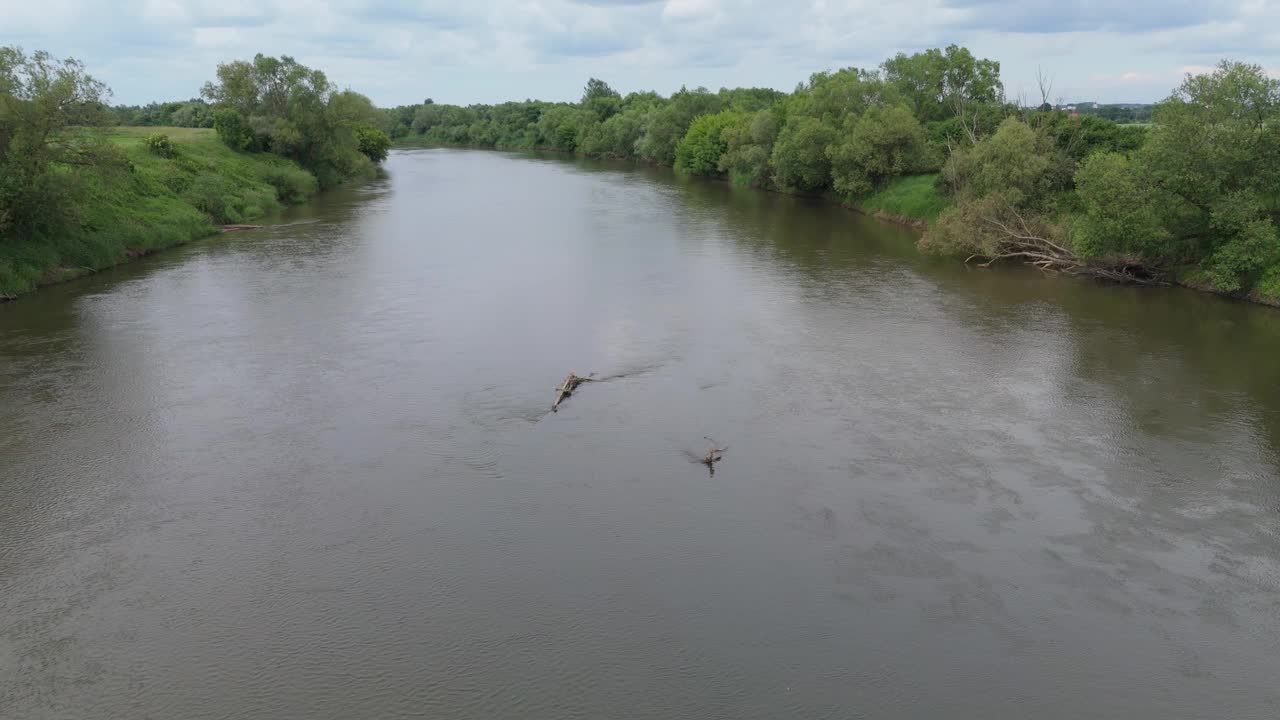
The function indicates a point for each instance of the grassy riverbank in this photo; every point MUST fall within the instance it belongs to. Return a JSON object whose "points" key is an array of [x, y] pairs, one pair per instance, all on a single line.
{"points": [[913, 200], [148, 202]]}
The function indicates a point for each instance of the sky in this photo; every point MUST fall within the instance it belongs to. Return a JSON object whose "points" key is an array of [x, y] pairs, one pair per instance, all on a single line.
{"points": [[466, 51]]}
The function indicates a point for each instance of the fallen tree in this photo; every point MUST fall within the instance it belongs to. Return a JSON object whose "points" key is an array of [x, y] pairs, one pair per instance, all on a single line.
{"points": [[990, 230]]}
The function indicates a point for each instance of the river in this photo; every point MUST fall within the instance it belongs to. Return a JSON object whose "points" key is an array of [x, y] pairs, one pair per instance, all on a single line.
{"points": [[309, 471]]}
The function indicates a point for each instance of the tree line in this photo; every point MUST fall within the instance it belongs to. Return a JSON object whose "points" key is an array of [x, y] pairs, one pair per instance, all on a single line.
{"points": [[193, 113], [1196, 192]]}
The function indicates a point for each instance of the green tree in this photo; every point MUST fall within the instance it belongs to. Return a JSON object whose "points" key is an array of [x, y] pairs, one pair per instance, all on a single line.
{"points": [[1204, 185], [373, 143], [292, 110], [1123, 212], [560, 127], [800, 161], [748, 146], [233, 129], [1006, 188], [700, 150], [881, 144], [43, 101], [1018, 163], [603, 101], [944, 84], [666, 124], [834, 96], [615, 137]]}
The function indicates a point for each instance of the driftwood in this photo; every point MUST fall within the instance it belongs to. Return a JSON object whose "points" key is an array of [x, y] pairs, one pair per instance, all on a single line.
{"points": [[571, 383], [713, 456], [234, 227]]}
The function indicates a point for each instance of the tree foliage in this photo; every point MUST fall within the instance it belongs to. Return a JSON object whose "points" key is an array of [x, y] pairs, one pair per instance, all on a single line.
{"points": [[878, 145], [1205, 186], [748, 143], [281, 106], [1198, 187], [44, 102], [942, 84], [700, 150], [800, 161]]}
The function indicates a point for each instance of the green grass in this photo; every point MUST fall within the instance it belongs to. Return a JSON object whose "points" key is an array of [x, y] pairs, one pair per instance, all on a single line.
{"points": [[154, 203], [914, 197]]}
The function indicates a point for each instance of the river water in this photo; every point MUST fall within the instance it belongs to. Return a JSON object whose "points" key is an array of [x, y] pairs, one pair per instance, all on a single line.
{"points": [[310, 472]]}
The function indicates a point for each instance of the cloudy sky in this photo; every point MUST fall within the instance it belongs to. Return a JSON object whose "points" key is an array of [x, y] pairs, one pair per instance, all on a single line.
{"points": [[462, 51]]}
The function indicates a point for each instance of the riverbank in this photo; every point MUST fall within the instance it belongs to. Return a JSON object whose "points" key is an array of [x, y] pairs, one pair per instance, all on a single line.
{"points": [[156, 200], [916, 201]]}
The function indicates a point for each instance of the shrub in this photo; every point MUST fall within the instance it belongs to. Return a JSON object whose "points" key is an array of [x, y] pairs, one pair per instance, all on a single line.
{"points": [[160, 144], [233, 129], [214, 195], [292, 185]]}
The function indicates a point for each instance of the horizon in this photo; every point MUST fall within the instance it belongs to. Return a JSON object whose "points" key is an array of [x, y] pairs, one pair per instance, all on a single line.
{"points": [[164, 50]]}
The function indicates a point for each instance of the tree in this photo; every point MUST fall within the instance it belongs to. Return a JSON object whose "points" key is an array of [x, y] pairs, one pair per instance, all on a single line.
{"points": [[42, 102], [374, 144], [282, 106], [881, 144], [958, 97], [1018, 162], [1123, 212], [667, 123], [748, 145], [559, 127], [615, 137], [1214, 154], [1007, 187], [799, 158], [233, 129], [700, 150], [603, 101], [833, 96]]}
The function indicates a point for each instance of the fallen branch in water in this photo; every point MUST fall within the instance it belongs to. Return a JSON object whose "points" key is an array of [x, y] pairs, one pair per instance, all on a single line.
{"points": [[713, 456], [234, 227], [571, 383]]}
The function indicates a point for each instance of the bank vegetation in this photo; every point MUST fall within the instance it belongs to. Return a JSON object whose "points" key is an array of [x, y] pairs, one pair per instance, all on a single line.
{"points": [[932, 138], [78, 193]]}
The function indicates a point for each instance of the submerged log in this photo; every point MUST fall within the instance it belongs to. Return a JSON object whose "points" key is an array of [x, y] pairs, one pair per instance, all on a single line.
{"points": [[571, 383], [713, 456], [239, 226]]}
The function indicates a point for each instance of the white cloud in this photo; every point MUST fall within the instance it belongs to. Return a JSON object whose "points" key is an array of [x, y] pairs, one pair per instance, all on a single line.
{"points": [[689, 9], [401, 51]]}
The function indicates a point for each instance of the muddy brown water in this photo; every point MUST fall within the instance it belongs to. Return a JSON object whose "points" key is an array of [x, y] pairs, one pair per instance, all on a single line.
{"points": [[309, 471]]}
